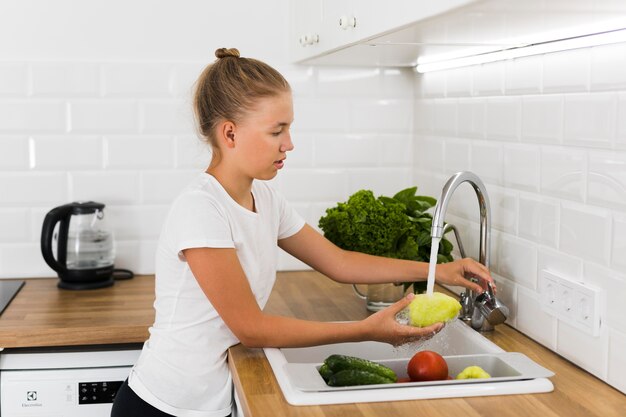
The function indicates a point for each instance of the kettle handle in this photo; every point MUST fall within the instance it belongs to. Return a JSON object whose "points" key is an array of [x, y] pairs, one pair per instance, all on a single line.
{"points": [[54, 216]]}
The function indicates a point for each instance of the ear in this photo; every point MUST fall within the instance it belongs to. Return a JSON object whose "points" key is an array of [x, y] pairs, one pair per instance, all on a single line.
{"points": [[226, 133]]}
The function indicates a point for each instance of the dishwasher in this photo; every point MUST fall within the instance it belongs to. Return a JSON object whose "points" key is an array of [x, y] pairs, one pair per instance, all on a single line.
{"points": [[65, 381]]}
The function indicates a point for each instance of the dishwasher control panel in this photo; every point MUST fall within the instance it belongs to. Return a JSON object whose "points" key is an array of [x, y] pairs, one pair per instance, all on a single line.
{"points": [[97, 392]]}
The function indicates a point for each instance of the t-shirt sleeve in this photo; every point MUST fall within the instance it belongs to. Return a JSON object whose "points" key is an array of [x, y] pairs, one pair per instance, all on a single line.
{"points": [[198, 221], [290, 221]]}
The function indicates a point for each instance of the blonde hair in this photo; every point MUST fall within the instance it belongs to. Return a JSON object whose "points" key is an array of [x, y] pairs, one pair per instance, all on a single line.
{"points": [[229, 87]]}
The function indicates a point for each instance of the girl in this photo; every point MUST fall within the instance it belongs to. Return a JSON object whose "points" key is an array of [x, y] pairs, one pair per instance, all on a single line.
{"points": [[217, 253]]}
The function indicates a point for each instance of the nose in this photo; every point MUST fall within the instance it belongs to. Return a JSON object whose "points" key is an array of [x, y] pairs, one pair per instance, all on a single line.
{"points": [[287, 144]]}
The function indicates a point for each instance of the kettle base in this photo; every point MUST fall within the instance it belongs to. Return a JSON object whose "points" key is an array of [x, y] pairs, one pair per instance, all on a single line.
{"points": [[85, 285]]}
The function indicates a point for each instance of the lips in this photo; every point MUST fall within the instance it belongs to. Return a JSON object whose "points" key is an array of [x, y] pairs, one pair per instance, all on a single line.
{"points": [[280, 163]]}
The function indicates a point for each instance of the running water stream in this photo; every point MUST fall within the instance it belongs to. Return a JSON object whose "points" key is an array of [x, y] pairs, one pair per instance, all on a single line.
{"points": [[432, 265]]}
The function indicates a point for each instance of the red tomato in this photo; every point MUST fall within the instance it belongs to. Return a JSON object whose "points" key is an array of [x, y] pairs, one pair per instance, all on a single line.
{"points": [[427, 366]]}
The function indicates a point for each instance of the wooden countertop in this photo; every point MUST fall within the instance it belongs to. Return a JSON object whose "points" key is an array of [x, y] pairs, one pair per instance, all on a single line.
{"points": [[309, 295], [43, 315]]}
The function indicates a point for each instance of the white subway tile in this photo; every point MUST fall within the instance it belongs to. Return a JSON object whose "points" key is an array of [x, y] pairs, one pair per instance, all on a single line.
{"points": [[313, 185], [23, 260], [542, 118], [584, 232], [164, 186], [136, 79], [317, 211], [559, 263], [65, 79], [589, 119], [347, 150], [457, 156], [517, 260], [487, 161], [14, 153], [14, 225], [563, 172], [428, 153], [620, 138], [167, 116], [192, 152], [423, 116], [538, 219], [503, 209], [397, 150], [618, 247], [321, 114], [32, 116], [523, 75], [617, 360], [566, 71], [136, 222], [349, 82], [502, 118], [444, 117], [459, 82], [139, 152], [184, 77], [33, 188], [434, 84], [521, 167], [608, 63], [382, 181], [13, 79], [586, 351], [613, 284], [471, 117], [397, 82], [106, 187], [607, 179], [136, 255], [67, 152], [488, 79], [104, 116], [532, 320], [385, 115]]}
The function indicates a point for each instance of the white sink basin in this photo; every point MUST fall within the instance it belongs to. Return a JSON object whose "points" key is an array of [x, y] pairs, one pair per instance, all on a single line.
{"points": [[456, 339]]}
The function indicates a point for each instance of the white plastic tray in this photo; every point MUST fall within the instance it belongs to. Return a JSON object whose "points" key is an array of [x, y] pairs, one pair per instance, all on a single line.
{"points": [[508, 366]]}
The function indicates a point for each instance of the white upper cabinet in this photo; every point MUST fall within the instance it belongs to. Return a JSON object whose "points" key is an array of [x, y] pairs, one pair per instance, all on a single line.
{"points": [[323, 26], [397, 32]]}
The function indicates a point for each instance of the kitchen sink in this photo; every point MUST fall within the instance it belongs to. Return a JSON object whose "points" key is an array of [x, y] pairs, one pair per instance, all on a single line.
{"points": [[296, 370]]}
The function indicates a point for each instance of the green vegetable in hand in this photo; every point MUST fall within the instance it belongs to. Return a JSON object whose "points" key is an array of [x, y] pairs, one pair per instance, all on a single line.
{"points": [[394, 227]]}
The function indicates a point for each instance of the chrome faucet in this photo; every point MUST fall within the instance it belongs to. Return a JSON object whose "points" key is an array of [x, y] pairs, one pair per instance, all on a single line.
{"points": [[482, 311]]}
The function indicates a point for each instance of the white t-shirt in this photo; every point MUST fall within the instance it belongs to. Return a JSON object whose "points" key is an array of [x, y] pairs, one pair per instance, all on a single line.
{"points": [[182, 368]]}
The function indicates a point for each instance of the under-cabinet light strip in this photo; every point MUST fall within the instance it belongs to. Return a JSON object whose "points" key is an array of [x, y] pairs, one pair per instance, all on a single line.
{"points": [[583, 41]]}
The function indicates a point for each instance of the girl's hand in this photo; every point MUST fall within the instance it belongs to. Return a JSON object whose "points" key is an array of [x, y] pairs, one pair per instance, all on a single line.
{"points": [[457, 273], [383, 327]]}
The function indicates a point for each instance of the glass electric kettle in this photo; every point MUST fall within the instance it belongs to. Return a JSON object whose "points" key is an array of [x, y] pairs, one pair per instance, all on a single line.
{"points": [[85, 251]]}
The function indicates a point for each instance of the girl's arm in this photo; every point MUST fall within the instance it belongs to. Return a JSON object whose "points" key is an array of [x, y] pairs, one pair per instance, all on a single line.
{"points": [[223, 281], [357, 268]]}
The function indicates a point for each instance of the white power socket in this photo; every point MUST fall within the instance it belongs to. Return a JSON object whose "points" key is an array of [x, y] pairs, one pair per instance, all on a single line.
{"points": [[575, 303]]}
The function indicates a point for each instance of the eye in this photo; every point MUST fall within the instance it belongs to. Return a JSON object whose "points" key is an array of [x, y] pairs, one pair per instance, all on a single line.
{"points": [[277, 133]]}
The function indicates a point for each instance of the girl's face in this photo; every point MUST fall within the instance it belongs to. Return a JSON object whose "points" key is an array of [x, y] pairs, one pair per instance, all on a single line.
{"points": [[262, 137]]}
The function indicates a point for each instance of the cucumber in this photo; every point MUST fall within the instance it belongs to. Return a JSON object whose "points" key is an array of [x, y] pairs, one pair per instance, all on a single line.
{"points": [[338, 363], [325, 372], [350, 377]]}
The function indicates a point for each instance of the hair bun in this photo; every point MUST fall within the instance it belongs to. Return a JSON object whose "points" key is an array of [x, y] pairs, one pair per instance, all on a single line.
{"points": [[227, 52]]}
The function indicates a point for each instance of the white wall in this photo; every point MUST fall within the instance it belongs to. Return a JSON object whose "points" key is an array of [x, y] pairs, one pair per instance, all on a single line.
{"points": [[95, 105], [547, 134]]}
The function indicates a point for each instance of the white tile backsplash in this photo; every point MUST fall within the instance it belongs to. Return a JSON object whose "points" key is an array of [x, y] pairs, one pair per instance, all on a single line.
{"points": [[104, 116], [55, 152], [27, 188], [166, 116], [27, 117], [137, 79], [119, 187], [65, 79], [547, 134], [14, 152], [13, 80], [127, 152], [589, 119]]}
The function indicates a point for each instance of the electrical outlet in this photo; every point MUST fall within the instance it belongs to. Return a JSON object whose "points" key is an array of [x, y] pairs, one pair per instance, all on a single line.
{"points": [[573, 302]]}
